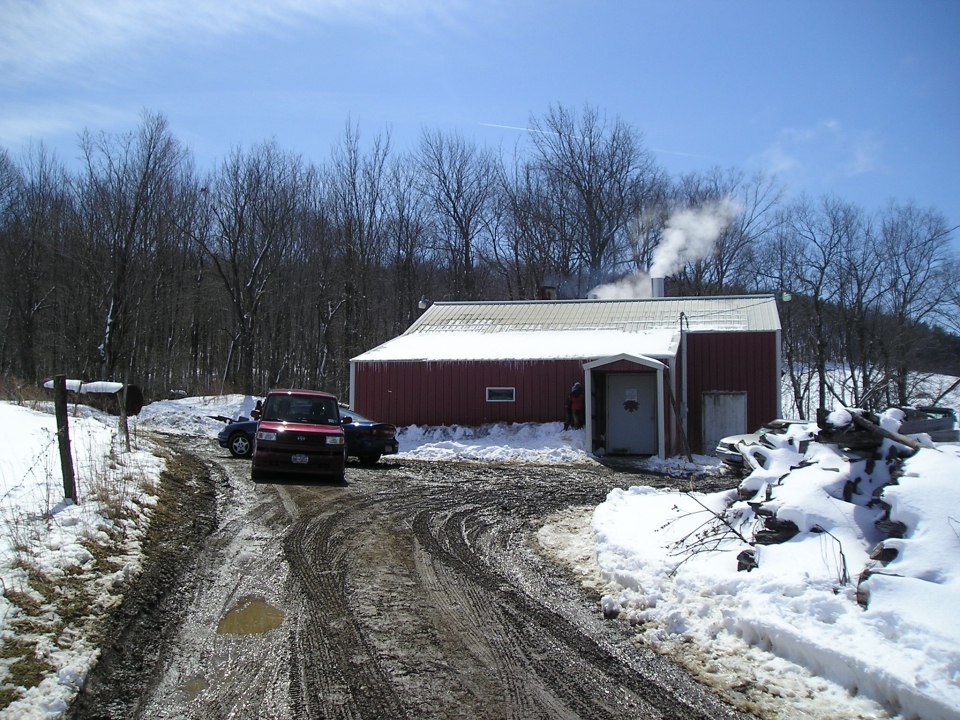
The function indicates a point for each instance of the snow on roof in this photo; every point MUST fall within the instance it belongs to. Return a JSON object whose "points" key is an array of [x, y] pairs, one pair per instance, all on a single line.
{"points": [[523, 345], [570, 329], [746, 313]]}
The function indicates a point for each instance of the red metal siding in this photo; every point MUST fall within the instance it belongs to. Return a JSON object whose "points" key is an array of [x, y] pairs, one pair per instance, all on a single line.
{"points": [[731, 362], [447, 393]]}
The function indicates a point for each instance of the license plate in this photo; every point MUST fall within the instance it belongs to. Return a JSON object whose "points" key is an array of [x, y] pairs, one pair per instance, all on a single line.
{"points": [[299, 459]]}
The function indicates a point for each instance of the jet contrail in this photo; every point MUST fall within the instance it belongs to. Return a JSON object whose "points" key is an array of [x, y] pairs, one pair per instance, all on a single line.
{"points": [[514, 127], [507, 127], [684, 154]]}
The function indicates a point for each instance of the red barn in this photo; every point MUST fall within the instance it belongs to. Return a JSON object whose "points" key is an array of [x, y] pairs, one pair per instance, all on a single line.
{"points": [[657, 372]]}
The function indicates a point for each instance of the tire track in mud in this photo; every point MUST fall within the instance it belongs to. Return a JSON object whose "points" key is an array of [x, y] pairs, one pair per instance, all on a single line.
{"points": [[350, 682], [570, 664], [426, 550], [135, 635], [205, 674], [416, 590], [489, 662]]}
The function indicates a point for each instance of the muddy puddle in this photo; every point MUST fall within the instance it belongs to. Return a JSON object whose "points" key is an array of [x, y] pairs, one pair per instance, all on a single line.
{"points": [[250, 616], [192, 688]]}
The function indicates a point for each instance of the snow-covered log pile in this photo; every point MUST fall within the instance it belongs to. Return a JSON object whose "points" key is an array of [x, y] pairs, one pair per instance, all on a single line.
{"points": [[862, 594], [848, 456]]}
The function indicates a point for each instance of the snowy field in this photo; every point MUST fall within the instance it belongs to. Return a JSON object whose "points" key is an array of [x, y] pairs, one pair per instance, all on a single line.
{"points": [[44, 538], [666, 561]]}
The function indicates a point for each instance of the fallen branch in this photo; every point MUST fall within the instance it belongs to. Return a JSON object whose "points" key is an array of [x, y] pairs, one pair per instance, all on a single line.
{"points": [[874, 429]]}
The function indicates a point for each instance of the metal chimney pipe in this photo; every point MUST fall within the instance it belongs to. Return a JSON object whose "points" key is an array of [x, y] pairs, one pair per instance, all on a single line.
{"points": [[656, 287]]}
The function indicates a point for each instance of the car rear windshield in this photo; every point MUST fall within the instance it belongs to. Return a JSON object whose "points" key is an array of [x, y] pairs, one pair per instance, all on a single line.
{"points": [[301, 409]]}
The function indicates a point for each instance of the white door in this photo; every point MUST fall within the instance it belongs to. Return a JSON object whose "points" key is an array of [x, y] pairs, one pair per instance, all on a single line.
{"points": [[724, 413], [632, 414]]}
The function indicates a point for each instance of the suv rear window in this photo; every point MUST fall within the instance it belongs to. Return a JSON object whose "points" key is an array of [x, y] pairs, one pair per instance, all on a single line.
{"points": [[301, 409]]}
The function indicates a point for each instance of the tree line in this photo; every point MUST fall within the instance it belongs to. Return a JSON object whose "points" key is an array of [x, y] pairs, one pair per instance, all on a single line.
{"points": [[271, 270]]}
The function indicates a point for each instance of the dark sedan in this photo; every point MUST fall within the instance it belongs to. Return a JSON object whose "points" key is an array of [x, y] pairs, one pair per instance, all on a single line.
{"points": [[237, 436], [367, 439]]}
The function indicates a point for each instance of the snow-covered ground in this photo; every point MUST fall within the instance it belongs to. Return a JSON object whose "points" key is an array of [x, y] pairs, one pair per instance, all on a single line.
{"points": [[666, 561], [51, 595], [792, 624]]}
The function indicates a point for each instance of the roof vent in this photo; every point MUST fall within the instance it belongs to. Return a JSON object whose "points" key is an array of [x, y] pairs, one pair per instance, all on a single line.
{"points": [[656, 287]]}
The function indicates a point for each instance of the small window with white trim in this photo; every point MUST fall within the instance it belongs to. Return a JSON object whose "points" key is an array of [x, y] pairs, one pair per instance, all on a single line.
{"points": [[501, 394]]}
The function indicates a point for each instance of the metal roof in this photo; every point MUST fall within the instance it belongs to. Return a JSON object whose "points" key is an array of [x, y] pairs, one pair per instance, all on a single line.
{"points": [[441, 346], [735, 313]]}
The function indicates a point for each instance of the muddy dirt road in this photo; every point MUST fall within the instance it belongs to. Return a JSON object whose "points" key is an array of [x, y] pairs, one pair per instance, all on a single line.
{"points": [[416, 590]]}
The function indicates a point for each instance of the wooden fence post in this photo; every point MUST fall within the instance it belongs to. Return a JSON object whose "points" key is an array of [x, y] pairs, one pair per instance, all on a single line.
{"points": [[63, 437]]}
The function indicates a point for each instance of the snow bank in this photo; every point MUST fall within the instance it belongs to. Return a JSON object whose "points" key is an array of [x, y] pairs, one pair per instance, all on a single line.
{"points": [[793, 622], [50, 535]]}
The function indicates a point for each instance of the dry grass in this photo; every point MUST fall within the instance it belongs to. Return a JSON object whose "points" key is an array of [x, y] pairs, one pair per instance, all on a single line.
{"points": [[21, 392], [45, 608], [26, 602], [38, 581], [25, 669], [19, 658], [53, 606], [104, 561]]}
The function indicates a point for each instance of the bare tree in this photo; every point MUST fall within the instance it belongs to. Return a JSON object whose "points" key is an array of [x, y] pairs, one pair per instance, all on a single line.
{"points": [[44, 213], [356, 201], [533, 251], [781, 264], [177, 334], [406, 233], [10, 181], [730, 267], [602, 175], [810, 241], [313, 271], [122, 266], [123, 195], [919, 272], [459, 181], [857, 313], [253, 207]]}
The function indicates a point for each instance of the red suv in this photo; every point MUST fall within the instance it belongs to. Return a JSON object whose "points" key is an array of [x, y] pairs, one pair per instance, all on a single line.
{"points": [[299, 434]]}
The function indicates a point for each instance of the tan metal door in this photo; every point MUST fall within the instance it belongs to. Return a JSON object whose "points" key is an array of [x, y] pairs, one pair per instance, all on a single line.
{"points": [[632, 414]]}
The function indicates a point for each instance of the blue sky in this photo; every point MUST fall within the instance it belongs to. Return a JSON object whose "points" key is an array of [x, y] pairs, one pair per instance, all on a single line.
{"points": [[856, 99]]}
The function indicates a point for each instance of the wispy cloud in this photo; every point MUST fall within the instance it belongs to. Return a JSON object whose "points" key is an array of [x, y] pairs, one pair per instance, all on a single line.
{"points": [[866, 155], [21, 124], [41, 38], [825, 152]]}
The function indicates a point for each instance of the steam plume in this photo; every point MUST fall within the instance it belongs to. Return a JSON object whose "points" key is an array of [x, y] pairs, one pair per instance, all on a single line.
{"points": [[689, 235]]}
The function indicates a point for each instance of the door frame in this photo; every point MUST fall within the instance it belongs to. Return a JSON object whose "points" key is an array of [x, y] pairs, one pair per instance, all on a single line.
{"points": [[643, 360]]}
